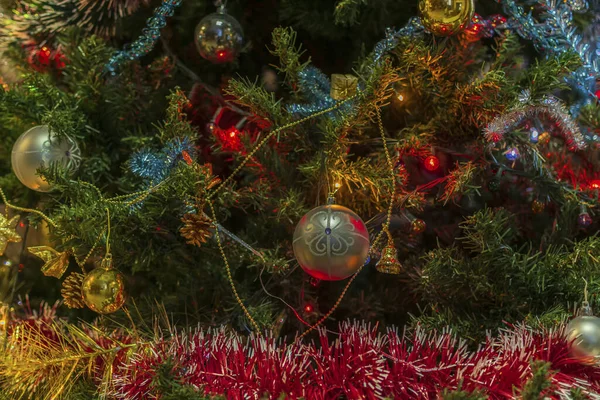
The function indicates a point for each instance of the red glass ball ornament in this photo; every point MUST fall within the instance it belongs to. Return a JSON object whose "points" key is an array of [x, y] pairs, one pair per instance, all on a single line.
{"points": [[431, 163]]}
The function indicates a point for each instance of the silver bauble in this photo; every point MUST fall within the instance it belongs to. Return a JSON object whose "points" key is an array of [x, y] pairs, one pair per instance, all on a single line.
{"points": [[584, 335], [331, 242], [219, 37], [37, 148]]}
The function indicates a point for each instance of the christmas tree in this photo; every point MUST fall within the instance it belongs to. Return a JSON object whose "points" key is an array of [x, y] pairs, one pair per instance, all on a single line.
{"points": [[348, 199]]}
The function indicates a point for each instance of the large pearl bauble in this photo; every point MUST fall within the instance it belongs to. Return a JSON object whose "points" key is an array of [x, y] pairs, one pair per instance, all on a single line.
{"points": [[331, 242], [219, 38], [103, 290], [446, 17], [584, 335], [37, 148]]}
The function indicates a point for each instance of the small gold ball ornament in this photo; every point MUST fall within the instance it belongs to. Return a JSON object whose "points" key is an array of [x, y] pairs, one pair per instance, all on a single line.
{"points": [[103, 289], [446, 17], [537, 206], [331, 242], [37, 148], [583, 334], [418, 225]]}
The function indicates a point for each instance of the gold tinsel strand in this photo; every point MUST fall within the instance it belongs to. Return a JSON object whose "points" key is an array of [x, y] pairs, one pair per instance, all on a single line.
{"points": [[196, 229], [71, 290]]}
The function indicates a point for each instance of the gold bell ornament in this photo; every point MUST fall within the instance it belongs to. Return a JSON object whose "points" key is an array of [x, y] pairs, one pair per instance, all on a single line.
{"points": [[388, 263], [446, 17], [103, 289]]}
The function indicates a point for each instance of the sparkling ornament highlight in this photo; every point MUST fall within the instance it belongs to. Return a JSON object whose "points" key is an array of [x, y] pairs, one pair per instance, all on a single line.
{"points": [[8, 231], [55, 262], [219, 37], [583, 332], [331, 242], [37, 148], [103, 289], [446, 17]]}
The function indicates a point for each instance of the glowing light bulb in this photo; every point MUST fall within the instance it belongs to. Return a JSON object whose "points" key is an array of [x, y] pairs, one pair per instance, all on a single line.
{"points": [[308, 308], [431, 163]]}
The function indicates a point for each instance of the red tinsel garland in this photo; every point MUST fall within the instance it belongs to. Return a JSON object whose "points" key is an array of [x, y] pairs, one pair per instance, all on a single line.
{"points": [[360, 363]]}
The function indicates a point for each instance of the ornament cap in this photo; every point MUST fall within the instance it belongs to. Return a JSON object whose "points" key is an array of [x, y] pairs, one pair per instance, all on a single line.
{"points": [[586, 309], [107, 262]]}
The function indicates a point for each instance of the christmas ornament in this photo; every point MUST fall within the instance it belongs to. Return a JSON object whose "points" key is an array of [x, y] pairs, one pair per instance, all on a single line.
{"points": [[534, 135], [446, 17], [8, 231], [343, 86], [196, 229], [103, 289], [37, 148], [71, 290], [511, 154], [388, 263], [331, 242], [537, 206], [583, 334], [418, 225], [219, 37], [55, 263], [584, 220], [431, 163]]}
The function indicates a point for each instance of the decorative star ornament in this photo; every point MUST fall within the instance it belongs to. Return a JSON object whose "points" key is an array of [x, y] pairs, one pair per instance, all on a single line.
{"points": [[8, 231]]}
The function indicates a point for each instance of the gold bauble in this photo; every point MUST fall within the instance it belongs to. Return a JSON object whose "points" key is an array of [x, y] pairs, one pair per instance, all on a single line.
{"points": [[446, 17], [418, 225], [537, 206], [37, 148], [331, 242], [583, 334], [103, 289]]}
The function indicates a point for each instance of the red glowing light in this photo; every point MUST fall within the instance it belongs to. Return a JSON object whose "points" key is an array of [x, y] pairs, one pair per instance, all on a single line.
{"points": [[222, 55], [308, 308], [22, 224], [431, 163], [595, 184], [233, 133]]}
